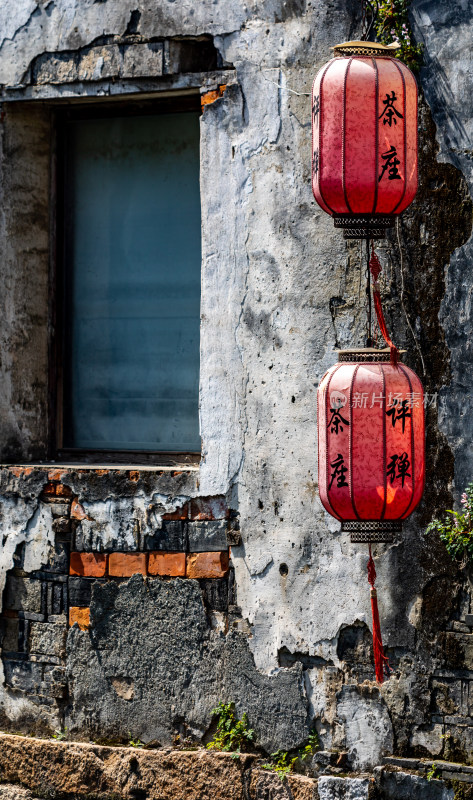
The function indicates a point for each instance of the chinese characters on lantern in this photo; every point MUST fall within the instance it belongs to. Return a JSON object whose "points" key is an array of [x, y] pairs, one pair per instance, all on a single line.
{"points": [[339, 471], [391, 163], [336, 421], [399, 411], [390, 111], [397, 468], [397, 408]]}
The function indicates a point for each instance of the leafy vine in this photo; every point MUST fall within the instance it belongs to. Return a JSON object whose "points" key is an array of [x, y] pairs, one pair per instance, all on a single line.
{"points": [[392, 23], [456, 530]]}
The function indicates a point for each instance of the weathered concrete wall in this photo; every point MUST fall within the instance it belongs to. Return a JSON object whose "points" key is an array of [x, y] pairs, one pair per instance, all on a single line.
{"points": [[280, 292], [24, 224]]}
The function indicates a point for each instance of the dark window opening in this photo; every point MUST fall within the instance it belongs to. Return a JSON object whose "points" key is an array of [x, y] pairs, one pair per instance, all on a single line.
{"points": [[128, 301]]}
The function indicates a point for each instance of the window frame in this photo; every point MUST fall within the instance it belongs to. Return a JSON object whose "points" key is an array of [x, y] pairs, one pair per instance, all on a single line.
{"points": [[94, 109]]}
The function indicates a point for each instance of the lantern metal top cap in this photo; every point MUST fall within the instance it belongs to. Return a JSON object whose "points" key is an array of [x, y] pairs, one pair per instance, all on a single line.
{"points": [[358, 48], [366, 355]]}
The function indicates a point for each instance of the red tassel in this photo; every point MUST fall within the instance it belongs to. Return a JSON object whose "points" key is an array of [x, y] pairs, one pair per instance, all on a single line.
{"points": [[383, 328], [375, 268], [381, 663]]}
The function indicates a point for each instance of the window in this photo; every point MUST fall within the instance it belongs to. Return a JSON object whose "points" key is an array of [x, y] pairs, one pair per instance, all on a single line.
{"points": [[129, 281]]}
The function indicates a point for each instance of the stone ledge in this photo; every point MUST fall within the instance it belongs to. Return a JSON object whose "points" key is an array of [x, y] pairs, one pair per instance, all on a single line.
{"points": [[449, 769], [67, 770], [265, 785]]}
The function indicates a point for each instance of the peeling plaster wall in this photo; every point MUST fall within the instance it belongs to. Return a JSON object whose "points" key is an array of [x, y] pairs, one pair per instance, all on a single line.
{"points": [[280, 293]]}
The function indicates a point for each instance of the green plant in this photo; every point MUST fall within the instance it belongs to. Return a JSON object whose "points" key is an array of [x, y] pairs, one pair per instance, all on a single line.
{"points": [[232, 734], [393, 23], [432, 773], [134, 742], [281, 763], [59, 735], [456, 531], [311, 747]]}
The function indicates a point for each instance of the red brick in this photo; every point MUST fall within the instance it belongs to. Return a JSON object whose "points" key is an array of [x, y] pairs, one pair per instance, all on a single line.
{"points": [[50, 488], [56, 474], [81, 615], [172, 564], [77, 510], [63, 491], [123, 565], [208, 508], [134, 475], [207, 565], [21, 471], [90, 565], [178, 513]]}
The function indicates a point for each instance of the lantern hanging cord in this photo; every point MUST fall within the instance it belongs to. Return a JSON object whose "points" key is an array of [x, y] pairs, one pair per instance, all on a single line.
{"points": [[375, 269], [369, 16], [402, 298], [369, 341]]}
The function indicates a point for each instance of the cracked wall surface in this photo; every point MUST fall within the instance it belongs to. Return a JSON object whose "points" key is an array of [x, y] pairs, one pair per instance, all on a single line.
{"points": [[281, 291]]}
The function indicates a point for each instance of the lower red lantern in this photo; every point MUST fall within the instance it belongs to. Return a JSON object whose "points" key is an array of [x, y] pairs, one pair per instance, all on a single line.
{"points": [[371, 452], [371, 443]]}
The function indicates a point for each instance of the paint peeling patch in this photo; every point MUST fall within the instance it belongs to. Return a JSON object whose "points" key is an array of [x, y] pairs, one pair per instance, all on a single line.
{"points": [[210, 97], [28, 522]]}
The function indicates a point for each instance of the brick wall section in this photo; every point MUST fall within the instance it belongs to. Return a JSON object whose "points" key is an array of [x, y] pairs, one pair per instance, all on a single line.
{"points": [[38, 607], [175, 565]]}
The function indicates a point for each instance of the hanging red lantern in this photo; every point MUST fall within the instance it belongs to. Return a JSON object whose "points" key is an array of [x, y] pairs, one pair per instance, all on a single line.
{"points": [[370, 425], [364, 138], [371, 443]]}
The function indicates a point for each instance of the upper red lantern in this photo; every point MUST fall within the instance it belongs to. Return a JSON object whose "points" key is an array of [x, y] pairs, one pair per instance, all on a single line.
{"points": [[364, 138], [371, 443]]}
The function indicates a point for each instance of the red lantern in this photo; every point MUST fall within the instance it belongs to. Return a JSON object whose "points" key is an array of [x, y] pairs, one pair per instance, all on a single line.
{"points": [[364, 138], [371, 443]]}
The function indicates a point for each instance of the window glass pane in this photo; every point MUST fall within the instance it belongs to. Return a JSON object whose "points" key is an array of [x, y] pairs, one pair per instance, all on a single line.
{"points": [[133, 254]]}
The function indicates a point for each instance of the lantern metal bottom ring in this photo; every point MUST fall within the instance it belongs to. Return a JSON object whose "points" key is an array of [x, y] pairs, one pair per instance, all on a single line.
{"points": [[372, 531], [358, 226]]}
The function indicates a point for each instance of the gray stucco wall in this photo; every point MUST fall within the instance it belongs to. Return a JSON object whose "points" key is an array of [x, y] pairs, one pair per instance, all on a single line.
{"points": [[280, 293]]}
